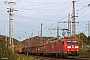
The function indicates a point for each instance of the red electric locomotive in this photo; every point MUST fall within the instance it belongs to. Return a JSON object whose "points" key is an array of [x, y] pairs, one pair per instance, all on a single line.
{"points": [[58, 48], [63, 48]]}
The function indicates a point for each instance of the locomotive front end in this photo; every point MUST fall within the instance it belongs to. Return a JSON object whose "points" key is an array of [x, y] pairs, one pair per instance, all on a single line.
{"points": [[72, 48]]}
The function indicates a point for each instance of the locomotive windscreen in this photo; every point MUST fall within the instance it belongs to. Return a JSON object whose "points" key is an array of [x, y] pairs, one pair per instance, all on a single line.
{"points": [[72, 42]]}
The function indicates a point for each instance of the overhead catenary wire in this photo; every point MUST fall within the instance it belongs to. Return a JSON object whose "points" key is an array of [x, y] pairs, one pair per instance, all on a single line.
{"points": [[18, 2], [61, 11], [81, 8], [78, 10], [43, 4]]}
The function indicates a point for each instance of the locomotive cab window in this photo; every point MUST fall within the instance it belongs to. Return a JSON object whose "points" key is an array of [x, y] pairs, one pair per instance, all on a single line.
{"points": [[72, 42]]}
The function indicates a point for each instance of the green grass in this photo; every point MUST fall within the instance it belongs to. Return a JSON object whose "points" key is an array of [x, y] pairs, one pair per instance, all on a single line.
{"points": [[24, 57]]}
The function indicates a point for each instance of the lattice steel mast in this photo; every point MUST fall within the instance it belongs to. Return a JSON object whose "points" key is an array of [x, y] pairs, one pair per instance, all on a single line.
{"points": [[73, 19], [10, 11]]}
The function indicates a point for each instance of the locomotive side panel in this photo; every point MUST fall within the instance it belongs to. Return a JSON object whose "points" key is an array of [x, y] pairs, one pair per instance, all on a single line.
{"points": [[59, 47], [52, 49]]}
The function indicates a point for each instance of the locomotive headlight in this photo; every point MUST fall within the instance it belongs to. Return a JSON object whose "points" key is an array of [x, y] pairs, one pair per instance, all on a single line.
{"points": [[76, 46], [68, 46]]}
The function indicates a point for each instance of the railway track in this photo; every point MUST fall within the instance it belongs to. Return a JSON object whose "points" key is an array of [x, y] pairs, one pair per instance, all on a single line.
{"points": [[53, 58]]}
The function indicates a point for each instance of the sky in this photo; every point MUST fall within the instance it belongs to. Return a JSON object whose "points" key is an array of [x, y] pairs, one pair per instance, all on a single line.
{"points": [[31, 13]]}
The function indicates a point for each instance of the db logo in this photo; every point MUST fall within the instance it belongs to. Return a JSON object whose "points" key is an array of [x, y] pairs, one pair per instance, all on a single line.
{"points": [[52, 46]]}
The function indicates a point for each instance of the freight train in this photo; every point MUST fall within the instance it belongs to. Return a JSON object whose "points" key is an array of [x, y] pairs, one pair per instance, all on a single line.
{"points": [[57, 48]]}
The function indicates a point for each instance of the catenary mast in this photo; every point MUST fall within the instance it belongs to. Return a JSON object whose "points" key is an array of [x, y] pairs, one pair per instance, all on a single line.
{"points": [[10, 11], [73, 19]]}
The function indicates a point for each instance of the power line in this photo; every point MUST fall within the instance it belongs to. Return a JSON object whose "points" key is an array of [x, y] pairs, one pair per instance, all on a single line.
{"points": [[55, 22], [55, 16], [46, 10], [78, 10], [17, 3]]}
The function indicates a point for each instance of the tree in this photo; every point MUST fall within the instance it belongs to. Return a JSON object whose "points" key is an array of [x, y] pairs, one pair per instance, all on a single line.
{"points": [[88, 38], [2, 47]]}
